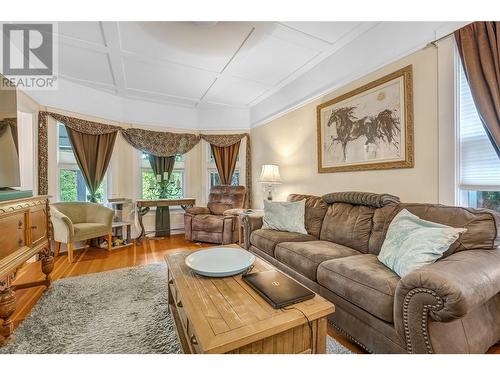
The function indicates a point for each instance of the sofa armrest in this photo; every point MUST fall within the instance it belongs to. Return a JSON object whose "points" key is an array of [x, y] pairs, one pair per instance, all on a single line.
{"points": [[198, 210], [63, 230], [444, 291], [250, 223]]}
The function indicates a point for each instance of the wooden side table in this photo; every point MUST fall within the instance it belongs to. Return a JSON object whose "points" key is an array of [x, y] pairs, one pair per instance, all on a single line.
{"points": [[144, 205]]}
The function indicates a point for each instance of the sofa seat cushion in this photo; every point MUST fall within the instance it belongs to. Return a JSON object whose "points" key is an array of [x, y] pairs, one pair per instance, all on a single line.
{"points": [[363, 281], [86, 231], [267, 239], [305, 257], [208, 223]]}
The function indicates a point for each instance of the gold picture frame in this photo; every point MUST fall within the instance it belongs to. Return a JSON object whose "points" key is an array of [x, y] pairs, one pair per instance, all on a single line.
{"points": [[380, 114]]}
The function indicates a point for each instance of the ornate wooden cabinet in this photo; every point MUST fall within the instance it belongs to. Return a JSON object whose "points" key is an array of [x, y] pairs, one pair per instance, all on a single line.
{"points": [[24, 233]]}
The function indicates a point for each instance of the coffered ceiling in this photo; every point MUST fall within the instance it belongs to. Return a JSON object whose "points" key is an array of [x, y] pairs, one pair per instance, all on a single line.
{"points": [[218, 75], [236, 64]]}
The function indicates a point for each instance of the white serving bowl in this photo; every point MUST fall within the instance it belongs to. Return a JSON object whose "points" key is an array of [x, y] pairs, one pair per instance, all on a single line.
{"points": [[220, 261]]}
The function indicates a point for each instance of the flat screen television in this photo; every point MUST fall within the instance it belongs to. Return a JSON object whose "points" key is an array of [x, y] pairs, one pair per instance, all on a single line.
{"points": [[9, 142]]}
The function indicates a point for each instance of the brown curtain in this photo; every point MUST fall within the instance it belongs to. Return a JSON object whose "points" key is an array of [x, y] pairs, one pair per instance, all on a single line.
{"points": [[161, 164], [479, 47], [225, 161], [92, 153]]}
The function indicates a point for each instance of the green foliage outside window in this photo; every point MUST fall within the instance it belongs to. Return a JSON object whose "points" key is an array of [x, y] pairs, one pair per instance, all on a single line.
{"points": [[489, 199], [149, 190], [67, 185], [72, 187]]}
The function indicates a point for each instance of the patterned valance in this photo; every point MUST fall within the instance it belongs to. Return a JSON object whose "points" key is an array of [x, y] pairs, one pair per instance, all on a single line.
{"points": [[83, 126], [223, 140], [160, 143]]}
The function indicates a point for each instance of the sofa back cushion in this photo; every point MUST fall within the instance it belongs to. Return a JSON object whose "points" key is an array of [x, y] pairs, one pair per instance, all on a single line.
{"points": [[349, 225], [314, 214], [482, 225]]}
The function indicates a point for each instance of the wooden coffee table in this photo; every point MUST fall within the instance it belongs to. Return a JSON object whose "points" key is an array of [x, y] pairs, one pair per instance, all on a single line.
{"points": [[224, 315]]}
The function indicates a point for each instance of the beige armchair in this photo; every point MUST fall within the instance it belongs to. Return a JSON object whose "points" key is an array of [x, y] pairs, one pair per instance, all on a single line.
{"points": [[79, 221]]}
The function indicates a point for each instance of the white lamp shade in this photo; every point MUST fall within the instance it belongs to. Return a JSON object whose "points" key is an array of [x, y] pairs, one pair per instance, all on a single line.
{"points": [[270, 174]]}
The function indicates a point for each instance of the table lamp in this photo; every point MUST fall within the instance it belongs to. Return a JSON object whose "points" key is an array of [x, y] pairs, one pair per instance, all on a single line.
{"points": [[269, 176]]}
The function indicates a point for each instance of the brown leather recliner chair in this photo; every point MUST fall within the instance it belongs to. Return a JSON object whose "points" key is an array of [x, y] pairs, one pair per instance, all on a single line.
{"points": [[218, 222]]}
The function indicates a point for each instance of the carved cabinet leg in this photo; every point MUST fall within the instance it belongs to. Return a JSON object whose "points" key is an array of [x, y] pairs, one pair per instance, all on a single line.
{"points": [[7, 308], [47, 263]]}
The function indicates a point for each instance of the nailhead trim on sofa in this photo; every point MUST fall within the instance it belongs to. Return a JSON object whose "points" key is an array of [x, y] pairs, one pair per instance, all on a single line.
{"points": [[424, 319], [349, 337]]}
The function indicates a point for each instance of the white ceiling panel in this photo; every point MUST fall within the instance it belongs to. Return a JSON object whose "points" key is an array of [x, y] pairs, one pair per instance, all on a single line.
{"points": [[235, 91], [167, 79], [271, 60], [327, 31], [84, 64], [207, 45], [86, 31]]}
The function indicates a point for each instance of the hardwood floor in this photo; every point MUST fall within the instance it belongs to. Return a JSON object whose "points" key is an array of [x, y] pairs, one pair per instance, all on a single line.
{"points": [[91, 260]]}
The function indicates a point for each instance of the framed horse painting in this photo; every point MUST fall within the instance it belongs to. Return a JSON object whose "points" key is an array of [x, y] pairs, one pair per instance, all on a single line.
{"points": [[368, 128]]}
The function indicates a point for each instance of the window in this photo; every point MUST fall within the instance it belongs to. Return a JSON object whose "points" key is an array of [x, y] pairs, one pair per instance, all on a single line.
{"points": [[479, 172], [64, 143], [72, 185], [215, 179], [213, 175], [148, 179], [73, 188]]}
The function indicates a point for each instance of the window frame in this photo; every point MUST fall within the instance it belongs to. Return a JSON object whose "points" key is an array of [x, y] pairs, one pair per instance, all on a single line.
{"points": [[179, 166], [465, 197]]}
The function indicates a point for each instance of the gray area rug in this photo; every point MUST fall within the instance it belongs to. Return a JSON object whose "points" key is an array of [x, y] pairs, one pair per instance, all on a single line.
{"points": [[121, 311]]}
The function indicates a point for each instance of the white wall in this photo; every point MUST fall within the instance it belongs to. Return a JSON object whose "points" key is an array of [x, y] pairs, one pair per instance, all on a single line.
{"points": [[28, 141], [290, 142], [26, 133], [106, 105]]}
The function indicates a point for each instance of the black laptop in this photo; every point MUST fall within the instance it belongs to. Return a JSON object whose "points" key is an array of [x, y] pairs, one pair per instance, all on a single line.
{"points": [[277, 288]]}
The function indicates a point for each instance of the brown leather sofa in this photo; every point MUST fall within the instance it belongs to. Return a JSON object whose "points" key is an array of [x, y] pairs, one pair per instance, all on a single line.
{"points": [[219, 221], [451, 306]]}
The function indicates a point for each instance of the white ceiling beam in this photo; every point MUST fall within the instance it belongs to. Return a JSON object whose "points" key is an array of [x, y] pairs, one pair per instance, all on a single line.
{"points": [[111, 36]]}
